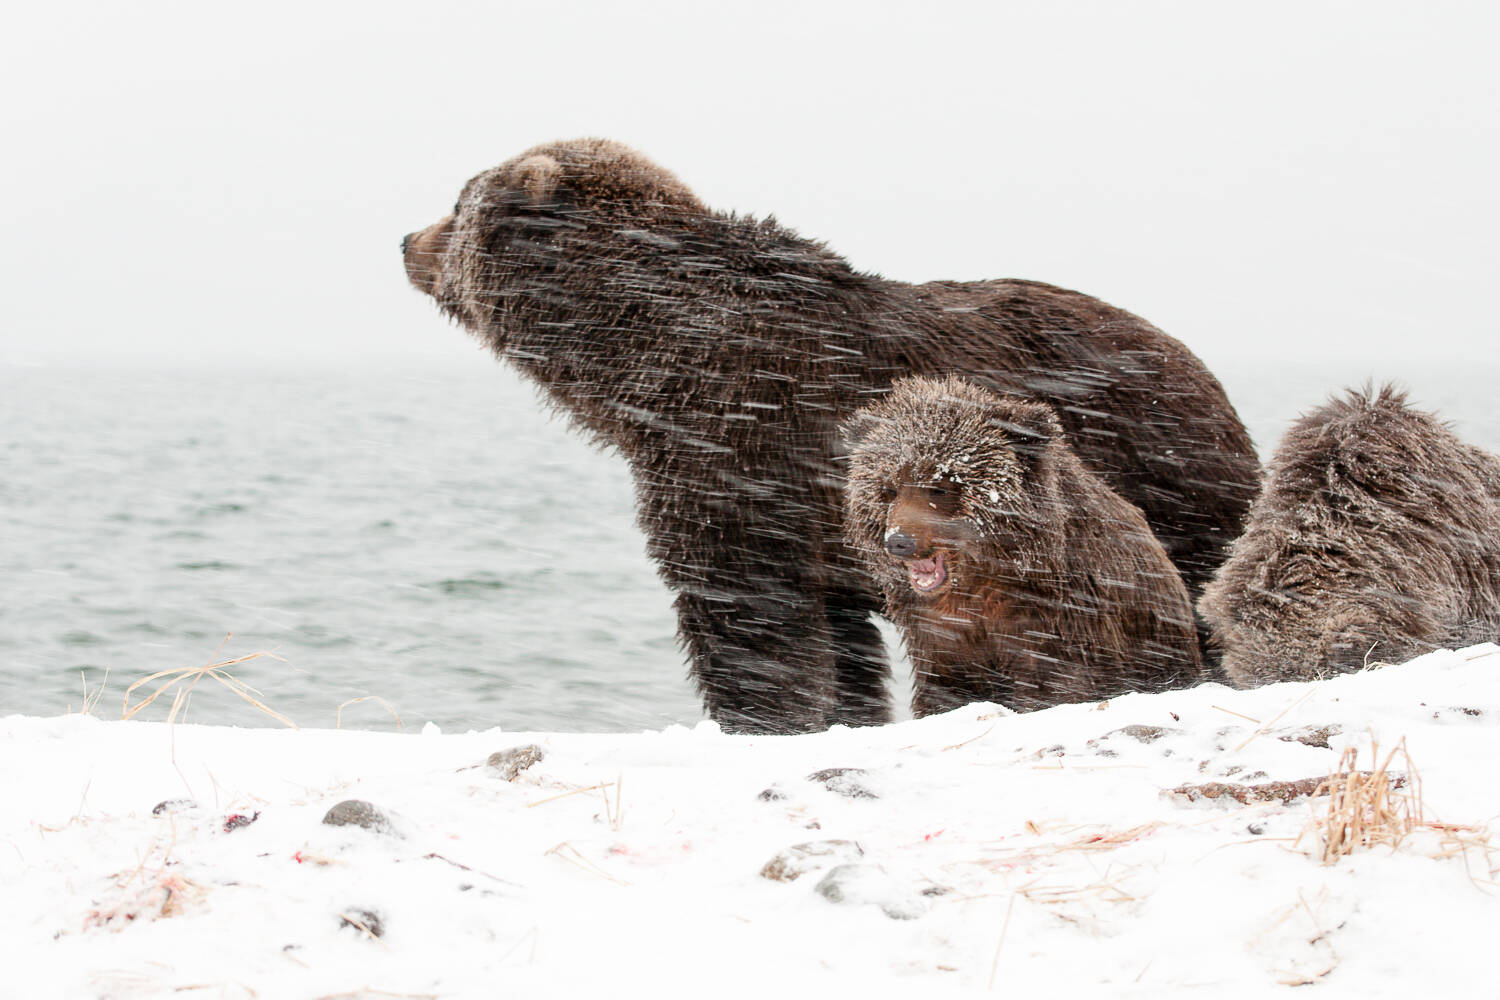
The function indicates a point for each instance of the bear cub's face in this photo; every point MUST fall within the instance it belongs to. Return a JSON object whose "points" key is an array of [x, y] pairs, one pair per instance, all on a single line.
{"points": [[943, 476], [925, 530]]}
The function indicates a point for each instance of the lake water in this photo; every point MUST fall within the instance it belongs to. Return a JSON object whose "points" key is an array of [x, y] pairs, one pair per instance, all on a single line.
{"points": [[427, 539]]}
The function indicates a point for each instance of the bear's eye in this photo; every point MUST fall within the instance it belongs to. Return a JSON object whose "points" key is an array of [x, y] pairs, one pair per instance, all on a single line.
{"points": [[945, 496]]}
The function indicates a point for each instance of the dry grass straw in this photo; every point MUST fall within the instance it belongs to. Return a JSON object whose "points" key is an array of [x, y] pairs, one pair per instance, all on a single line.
{"points": [[1367, 808], [1107, 889], [1089, 843], [615, 813], [1471, 844], [91, 699], [575, 857], [185, 679], [572, 791], [165, 895], [1004, 928], [1265, 727], [339, 718]]}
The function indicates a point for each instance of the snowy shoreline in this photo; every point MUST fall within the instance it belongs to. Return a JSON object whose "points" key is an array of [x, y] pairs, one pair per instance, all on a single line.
{"points": [[1040, 852]]}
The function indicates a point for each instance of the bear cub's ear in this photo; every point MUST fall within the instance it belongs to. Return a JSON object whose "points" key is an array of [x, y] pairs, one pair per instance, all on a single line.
{"points": [[860, 426], [1030, 426], [1026, 421]]}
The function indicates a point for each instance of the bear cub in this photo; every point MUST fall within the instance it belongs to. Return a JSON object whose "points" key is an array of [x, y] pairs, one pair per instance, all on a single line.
{"points": [[1013, 572], [1376, 536]]}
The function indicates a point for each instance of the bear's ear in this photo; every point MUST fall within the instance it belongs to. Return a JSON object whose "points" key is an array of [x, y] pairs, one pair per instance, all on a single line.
{"points": [[1026, 421], [538, 177], [857, 428], [1030, 426]]}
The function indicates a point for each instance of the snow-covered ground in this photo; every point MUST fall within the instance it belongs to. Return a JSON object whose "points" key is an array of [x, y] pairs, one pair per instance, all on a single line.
{"points": [[1036, 855]]}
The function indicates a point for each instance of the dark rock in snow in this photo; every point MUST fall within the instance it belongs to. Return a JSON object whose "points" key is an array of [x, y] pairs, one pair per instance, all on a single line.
{"points": [[1142, 734], [799, 859], [509, 764], [357, 812], [1313, 736], [860, 884], [235, 821], [843, 781], [364, 921]]}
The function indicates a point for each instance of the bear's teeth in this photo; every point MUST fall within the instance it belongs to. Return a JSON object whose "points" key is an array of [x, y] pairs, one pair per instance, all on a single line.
{"points": [[927, 574]]}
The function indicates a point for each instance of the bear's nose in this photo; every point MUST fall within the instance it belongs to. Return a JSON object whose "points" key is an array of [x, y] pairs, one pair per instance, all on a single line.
{"points": [[900, 544], [405, 242]]}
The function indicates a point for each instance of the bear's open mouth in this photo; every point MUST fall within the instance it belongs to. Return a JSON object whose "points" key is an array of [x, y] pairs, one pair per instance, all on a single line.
{"points": [[927, 574]]}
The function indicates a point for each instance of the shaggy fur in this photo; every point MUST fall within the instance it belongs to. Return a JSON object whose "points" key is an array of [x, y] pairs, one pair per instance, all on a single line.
{"points": [[1375, 537], [719, 354], [1014, 573]]}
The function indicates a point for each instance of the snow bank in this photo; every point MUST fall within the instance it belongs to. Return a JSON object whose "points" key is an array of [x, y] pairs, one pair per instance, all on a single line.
{"points": [[1036, 854]]}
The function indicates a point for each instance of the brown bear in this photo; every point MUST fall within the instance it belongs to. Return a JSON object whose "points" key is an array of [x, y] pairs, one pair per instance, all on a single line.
{"points": [[1014, 573], [719, 353], [1375, 537]]}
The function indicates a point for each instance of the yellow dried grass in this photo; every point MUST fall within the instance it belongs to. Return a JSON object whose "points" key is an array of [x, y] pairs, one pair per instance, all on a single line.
{"points": [[339, 718], [91, 698], [185, 679], [1367, 808], [1089, 843]]}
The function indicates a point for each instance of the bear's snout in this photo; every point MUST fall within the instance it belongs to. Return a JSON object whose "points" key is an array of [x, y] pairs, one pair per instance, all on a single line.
{"points": [[422, 253], [901, 545]]}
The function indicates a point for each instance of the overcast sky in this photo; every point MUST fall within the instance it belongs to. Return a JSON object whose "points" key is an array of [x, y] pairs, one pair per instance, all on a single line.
{"points": [[231, 180]]}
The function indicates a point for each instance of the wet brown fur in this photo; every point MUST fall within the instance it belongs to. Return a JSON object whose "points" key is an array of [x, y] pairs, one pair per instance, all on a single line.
{"points": [[719, 353], [1375, 538], [1057, 590]]}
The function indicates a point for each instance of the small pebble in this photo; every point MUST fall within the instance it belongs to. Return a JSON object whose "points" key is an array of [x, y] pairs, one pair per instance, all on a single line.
{"points": [[1142, 734], [357, 812], [1313, 736], [234, 821], [799, 859], [364, 921], [858, 884], [843, 781], [510, 763]]}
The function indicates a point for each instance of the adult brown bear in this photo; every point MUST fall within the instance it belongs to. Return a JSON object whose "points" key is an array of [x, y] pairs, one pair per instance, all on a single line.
{"points": [[719, 354], [1375, 537], [1014, 573]]}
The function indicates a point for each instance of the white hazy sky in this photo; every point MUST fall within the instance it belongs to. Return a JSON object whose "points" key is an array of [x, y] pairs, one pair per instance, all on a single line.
{"points": [[192, 180]]}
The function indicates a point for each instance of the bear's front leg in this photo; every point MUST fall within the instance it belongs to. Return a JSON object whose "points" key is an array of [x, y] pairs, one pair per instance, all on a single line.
{"points": [[945, 679], [861, 667], [763, 663]]}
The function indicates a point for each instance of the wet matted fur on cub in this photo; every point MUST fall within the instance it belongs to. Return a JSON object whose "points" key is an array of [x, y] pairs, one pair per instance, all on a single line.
{"points": [[718, 354], [1013, 572], [1375, 537]]}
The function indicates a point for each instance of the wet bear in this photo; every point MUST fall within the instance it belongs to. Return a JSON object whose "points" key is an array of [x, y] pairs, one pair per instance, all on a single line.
{"points": [[718, 354], [1013, 572], [1375, 538]]}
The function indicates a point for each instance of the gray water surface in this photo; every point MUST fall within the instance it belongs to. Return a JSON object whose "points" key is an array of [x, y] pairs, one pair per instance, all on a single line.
{"points": [[430, 537]]}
